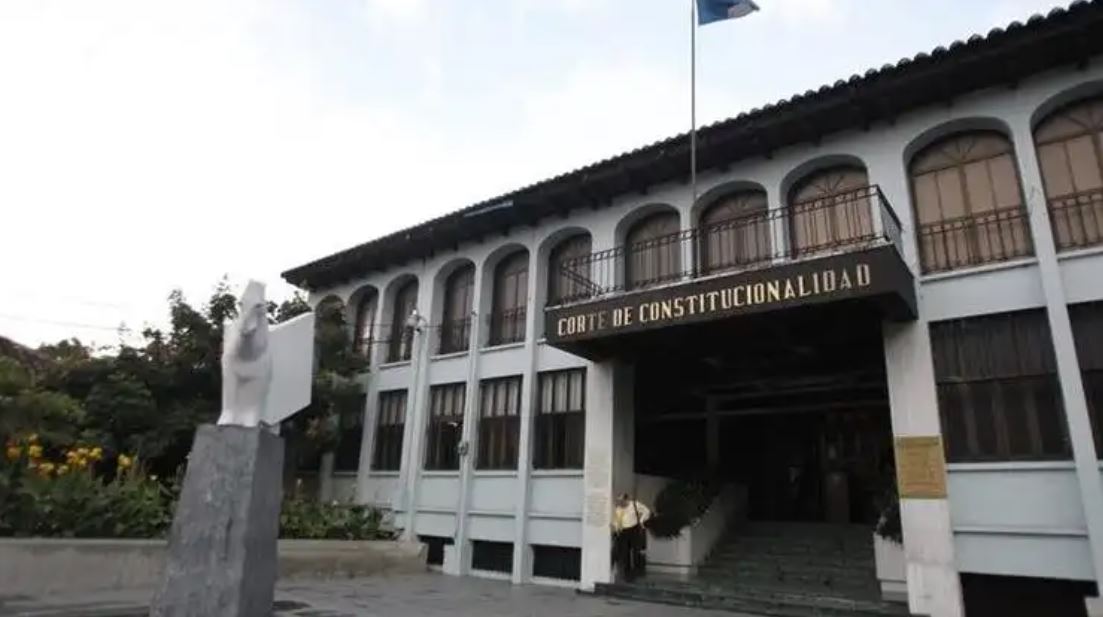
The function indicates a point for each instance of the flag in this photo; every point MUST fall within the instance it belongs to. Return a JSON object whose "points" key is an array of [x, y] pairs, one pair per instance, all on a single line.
{"points": [[709, 11]]}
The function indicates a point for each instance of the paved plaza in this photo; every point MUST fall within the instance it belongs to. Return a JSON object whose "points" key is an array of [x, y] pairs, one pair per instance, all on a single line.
{"points": [[420, 595]]}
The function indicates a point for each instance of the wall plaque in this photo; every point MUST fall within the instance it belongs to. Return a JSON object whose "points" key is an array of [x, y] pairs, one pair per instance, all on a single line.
{"points": [[920, 468]]}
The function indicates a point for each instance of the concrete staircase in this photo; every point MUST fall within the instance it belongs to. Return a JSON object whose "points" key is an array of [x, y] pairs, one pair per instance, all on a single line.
{"points": [[778, 569]]}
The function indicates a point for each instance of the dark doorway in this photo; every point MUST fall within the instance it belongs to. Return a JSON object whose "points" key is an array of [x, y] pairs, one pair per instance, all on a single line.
{"points": [[791, 404]]}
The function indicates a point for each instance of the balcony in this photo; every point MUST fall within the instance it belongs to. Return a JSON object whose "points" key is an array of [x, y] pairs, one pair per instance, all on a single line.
{"points": [[1077, 220], [846, 246]]}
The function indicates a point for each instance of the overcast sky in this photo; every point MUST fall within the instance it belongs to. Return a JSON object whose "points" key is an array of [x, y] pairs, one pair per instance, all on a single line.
{"points": [[147, 145]]}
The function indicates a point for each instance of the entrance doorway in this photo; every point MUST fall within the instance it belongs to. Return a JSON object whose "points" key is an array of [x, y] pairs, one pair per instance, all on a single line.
{"points": [[815, 466], [793, 406]]}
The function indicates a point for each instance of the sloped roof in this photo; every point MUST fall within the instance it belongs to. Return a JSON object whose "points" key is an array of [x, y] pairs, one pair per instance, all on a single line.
{"points": [[1063, 37]]}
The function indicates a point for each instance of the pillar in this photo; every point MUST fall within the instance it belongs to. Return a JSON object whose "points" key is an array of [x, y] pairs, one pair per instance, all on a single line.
{"points": [[934, 587], [609, 466], [1084, 455]]}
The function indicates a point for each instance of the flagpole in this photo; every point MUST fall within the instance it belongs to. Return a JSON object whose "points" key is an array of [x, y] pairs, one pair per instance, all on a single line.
{"points": [[693, 100]]}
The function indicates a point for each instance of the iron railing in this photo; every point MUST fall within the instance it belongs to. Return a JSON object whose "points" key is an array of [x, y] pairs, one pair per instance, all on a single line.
{"points": [[507, 326], [845, 222], [1077, 219], [974, 240], [455, 335]]}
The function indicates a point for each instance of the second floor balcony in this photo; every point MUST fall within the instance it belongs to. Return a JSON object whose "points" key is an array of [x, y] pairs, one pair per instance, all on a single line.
{"points": [[841, 246], [847, 222]]}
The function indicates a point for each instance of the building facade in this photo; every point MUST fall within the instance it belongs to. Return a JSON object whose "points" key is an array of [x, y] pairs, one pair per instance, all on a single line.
{"points": [[920, 247]]}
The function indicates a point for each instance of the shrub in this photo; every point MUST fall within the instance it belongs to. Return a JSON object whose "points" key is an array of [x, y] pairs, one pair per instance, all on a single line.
{"points": [[80, 493], [680, 503], [310, 519], [41, 495]]}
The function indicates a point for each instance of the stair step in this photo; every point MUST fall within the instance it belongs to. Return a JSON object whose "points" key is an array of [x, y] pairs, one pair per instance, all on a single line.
{"points": [[810, 578], [774, 603]]}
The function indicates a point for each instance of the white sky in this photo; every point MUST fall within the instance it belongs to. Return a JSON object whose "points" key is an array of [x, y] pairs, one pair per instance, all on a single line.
{"points": [[147, 145]]}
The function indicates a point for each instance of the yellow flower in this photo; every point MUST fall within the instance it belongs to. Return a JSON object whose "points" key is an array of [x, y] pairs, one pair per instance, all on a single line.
{"points": [[14, 452], [125, 461], [96, 453], [34, 451], [64, 469], [45, 468]]}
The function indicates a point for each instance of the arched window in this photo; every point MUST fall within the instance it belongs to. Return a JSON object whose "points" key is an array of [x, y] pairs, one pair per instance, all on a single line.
{"points": [[735, 231], [511, 284], [455, 327], [829, 209], [653, 252], [1070, 152], [364, 332], [968, 202], [402, 337], [569, 270]]}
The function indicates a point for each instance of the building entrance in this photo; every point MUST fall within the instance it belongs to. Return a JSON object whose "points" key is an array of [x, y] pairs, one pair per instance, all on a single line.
{"points": [[786, 418], [793, 408]]}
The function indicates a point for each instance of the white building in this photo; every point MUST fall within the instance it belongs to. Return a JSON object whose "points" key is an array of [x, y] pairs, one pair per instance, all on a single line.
{"points": [[913, 257]]}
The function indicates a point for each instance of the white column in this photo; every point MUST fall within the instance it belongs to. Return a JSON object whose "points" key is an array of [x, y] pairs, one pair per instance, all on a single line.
{"points": [[934, 587], [609, 462], [1068, 366], [417, 406], [521, 554], [325, 477], [778, 207], [470, 418]]}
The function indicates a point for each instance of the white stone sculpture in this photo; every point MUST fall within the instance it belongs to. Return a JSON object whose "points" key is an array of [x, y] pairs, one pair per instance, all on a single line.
{"points": [[266, 372]]}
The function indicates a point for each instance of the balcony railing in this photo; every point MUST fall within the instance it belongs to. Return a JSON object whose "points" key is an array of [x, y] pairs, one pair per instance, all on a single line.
{"points": [[1077, 219], [845, 222], [455, 335], [974, 240], [507, 326]]}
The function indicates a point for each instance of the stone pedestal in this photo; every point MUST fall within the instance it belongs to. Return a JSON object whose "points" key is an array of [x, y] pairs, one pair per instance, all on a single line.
{"points": [[222, 559]]}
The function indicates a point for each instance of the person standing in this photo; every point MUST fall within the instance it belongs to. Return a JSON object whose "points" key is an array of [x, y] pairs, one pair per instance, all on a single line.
{"points": [[630, 537]]}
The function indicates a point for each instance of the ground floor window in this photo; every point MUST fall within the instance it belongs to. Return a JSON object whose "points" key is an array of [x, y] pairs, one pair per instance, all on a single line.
{"points": [[1023, 596], [560, 420], [390, 424], [1087, 329], [998, 392], [557, 562], [499, 423], [445, 427], [492, 556], [350, 434], [435, 546]]}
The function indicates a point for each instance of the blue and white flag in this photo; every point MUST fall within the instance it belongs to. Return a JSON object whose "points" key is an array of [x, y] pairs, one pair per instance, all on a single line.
{"points": [[709, 11]]}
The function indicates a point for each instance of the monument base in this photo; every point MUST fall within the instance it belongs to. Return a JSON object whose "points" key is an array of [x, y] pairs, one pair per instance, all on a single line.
{"points": [[222, 559]]}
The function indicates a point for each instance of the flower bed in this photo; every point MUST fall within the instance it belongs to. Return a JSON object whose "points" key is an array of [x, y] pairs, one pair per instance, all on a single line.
{"points": [[80, 492]]}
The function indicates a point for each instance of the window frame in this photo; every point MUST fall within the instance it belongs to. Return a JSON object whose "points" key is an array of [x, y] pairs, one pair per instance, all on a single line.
{"points": [[971, 233], [499, 425], [447, 403], [509, 308], [999, 396], [390, 428], [455, 325], [559, 431], [400, 347]]}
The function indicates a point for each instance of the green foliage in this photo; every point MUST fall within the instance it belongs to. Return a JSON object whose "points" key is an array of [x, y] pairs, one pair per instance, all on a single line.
{"points": [[889, 526], [310, 519], [122, 412], [14, 378], [680, 503]]}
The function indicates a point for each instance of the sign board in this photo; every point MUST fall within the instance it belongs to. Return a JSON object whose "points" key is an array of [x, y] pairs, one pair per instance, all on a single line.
{"points": [[872, 273], [920, 468]]}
